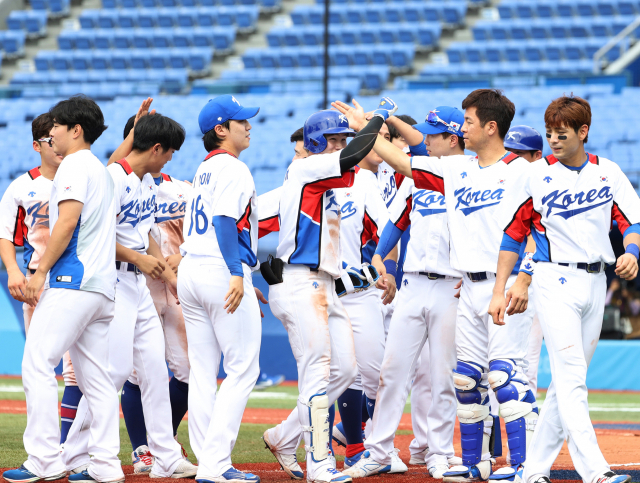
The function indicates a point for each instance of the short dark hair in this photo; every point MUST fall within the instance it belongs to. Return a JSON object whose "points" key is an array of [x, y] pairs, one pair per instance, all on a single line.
{"points": [[80, 110], [492, 105], [41, 126], [157, 129], [447, 135], [298, 135], [211, 139], [393, 132], [128, 127], [568, 111]]}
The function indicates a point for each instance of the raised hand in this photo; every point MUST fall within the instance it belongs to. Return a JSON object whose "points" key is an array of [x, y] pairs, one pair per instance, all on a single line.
{"points": [[355, 115], [143, 110], [386, 108]]}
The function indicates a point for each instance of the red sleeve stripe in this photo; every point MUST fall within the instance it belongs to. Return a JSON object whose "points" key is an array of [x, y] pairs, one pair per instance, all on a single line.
{"points": [[620, 217], [536, 219], [427, 180], [510, 157], [404, 220], [551, 159], [520, 224], [268, 225], [34, 173], [125, 166], [370, 230], [593, 159], [244, 222], [166, 177], [399, 179], [20, 230]]}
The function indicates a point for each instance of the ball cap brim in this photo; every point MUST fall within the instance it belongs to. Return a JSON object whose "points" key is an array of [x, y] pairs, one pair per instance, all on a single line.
{"points": [[427, 128]]}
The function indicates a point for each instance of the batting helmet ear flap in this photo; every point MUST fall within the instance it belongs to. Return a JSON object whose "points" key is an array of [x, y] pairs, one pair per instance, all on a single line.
{"points": [[321, 123]]}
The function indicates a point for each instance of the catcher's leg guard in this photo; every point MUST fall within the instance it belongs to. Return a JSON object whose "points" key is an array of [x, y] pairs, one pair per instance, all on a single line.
{"points": [[318, 429]]}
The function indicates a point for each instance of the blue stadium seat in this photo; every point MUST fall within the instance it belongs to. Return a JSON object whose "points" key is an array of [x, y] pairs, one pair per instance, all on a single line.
{"points": [[121, 39]]}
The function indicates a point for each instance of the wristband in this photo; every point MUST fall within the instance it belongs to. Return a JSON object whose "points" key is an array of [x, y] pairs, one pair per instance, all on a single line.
{"points": [[633, 249], [392, 267], [527, 266]]}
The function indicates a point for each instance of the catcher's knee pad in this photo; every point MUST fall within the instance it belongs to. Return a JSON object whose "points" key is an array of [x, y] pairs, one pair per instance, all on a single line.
{"points": [[318, 405]]}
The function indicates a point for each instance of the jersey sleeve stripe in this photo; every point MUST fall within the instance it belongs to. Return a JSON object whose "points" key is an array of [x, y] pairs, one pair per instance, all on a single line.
{"points": [[427, 180], [510, 157], [370, 231], [166, 177], [34, 173], [399, 179], [20, 230], [268, 225], [404, 220], [125, 166], [551, 159], [593, 159], [618, 215], [520, 224]]}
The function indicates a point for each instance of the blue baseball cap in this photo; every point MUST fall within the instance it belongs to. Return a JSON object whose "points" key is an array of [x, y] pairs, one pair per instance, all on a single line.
{"points": [[221, 109], [442, 119]]}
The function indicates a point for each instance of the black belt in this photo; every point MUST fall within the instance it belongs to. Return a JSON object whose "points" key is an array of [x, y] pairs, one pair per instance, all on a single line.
{"points": [[478, 276], [32, 271], [589, 267], [130, 268], [432, 275]]}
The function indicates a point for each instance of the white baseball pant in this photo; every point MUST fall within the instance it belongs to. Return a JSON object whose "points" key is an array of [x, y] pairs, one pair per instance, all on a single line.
{"points": [[136, 341], [425, 313], [82, 330], [214, 420], [420, 403], [175, 334], [570, 306], [365, 313], [321, 340], [533, 353]]}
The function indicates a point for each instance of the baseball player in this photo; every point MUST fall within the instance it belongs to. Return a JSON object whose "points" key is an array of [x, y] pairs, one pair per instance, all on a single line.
{"points": [[136, 338], [526, 142], [215, 289], [306, 301], [77, 272], [24, 211], [487, 356], [568, 201]]}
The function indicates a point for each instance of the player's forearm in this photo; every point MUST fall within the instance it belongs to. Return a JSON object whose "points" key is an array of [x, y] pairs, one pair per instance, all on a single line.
{"points": [[155, 251], [394, 156], [531, 245], [361, 145], [123, 150], [8, 255], [124, 254], [412, 136], [506, 261], [393, 255]]}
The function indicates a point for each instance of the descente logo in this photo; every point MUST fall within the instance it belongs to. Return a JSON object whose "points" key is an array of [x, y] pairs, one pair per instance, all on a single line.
{"points": [[562, 201], [468, 200]]}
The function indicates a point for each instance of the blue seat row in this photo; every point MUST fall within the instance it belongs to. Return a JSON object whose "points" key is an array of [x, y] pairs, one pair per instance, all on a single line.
{"points": [[33, 22], [529, 50], [451, 13], [243, 17], [263, 4], [360, 2], [399, 57], [220, 38], [55, 8], [563, 67], [372, 77], [12, 42], [567, 8], [179, 76], [552, 28], [424, 34], [197, 59]]}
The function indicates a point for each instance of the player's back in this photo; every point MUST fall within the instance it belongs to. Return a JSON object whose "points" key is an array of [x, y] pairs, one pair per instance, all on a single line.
{"points": [[88, 262]]}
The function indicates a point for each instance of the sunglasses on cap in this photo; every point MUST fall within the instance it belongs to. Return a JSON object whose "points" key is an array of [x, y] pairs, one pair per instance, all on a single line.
{"points": [[434, 119]]}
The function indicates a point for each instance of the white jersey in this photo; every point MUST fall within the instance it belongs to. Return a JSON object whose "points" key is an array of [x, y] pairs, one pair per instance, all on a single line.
{"points": [[570, 211], [171, 206], [472, 195], [310, 213], [88, 262], [364, 215], [269, 212], [223, 186], [425, 211], [136, 199], [24, 215], [387, 182]]}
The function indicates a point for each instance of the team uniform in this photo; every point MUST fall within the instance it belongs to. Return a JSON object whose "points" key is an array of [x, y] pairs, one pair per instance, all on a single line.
{"points": [[81, 285], [488, 355], [136, 339], [570, 212], [306, 303], [222, 187]]}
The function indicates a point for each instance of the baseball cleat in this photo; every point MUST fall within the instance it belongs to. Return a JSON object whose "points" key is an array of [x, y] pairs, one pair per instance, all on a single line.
{"points": [[349, 462], [542, 479], [338, 435], [265, 381], [329, 475], [232, 476], [479, 472], [142, 460], [611, 477], [85, 477], [23, 475], [508, 473], [455, 461], [366, 466], [397, 465], [79, 469], [419, 458], [438, 471], [184, 470], [288, 462]]}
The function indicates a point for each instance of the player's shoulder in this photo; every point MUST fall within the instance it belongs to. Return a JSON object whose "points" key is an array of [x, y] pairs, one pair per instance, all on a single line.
{"points": [[515, 161], [120, 168], [605, 163]]}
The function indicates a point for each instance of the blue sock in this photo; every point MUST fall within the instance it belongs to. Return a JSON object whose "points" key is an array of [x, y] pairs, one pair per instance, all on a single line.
{"points": [[131, 401], [350, 407], [179, 397], [365, 411], [371, 406], [332, 418], [70, 399]]}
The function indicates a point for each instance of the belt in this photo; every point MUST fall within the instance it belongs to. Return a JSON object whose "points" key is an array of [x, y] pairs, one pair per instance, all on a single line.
{"points": [[32, 271], [480, 276], [434, 276], [596, 267], [130, 267]]}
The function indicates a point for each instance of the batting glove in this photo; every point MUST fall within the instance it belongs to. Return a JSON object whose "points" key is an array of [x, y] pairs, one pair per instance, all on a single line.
{"points": [[386, 108], [351, 280]]}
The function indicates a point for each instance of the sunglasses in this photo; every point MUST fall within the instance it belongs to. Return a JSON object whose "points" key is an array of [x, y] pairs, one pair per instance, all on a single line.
{"points": [[434, 119], [45, 140]]}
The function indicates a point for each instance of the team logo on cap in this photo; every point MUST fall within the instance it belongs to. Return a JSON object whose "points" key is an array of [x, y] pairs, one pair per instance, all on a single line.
{"points": [[512, 135], [235, 100], [343, 118]]}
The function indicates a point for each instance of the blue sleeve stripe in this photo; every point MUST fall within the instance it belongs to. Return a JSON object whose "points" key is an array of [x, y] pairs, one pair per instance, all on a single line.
{"points": [[509, 244], [389, 239], [635, 228]]}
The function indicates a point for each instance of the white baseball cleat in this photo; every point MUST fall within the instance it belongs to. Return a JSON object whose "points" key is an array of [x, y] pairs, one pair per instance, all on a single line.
{"points": [[419, 458], [397, 465], [611, 477], [329, 474], [479, 472], [79, 469], [438, 471], [288, 462], [454, 461], [367, 466], [184, 470], [142, 460]]}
